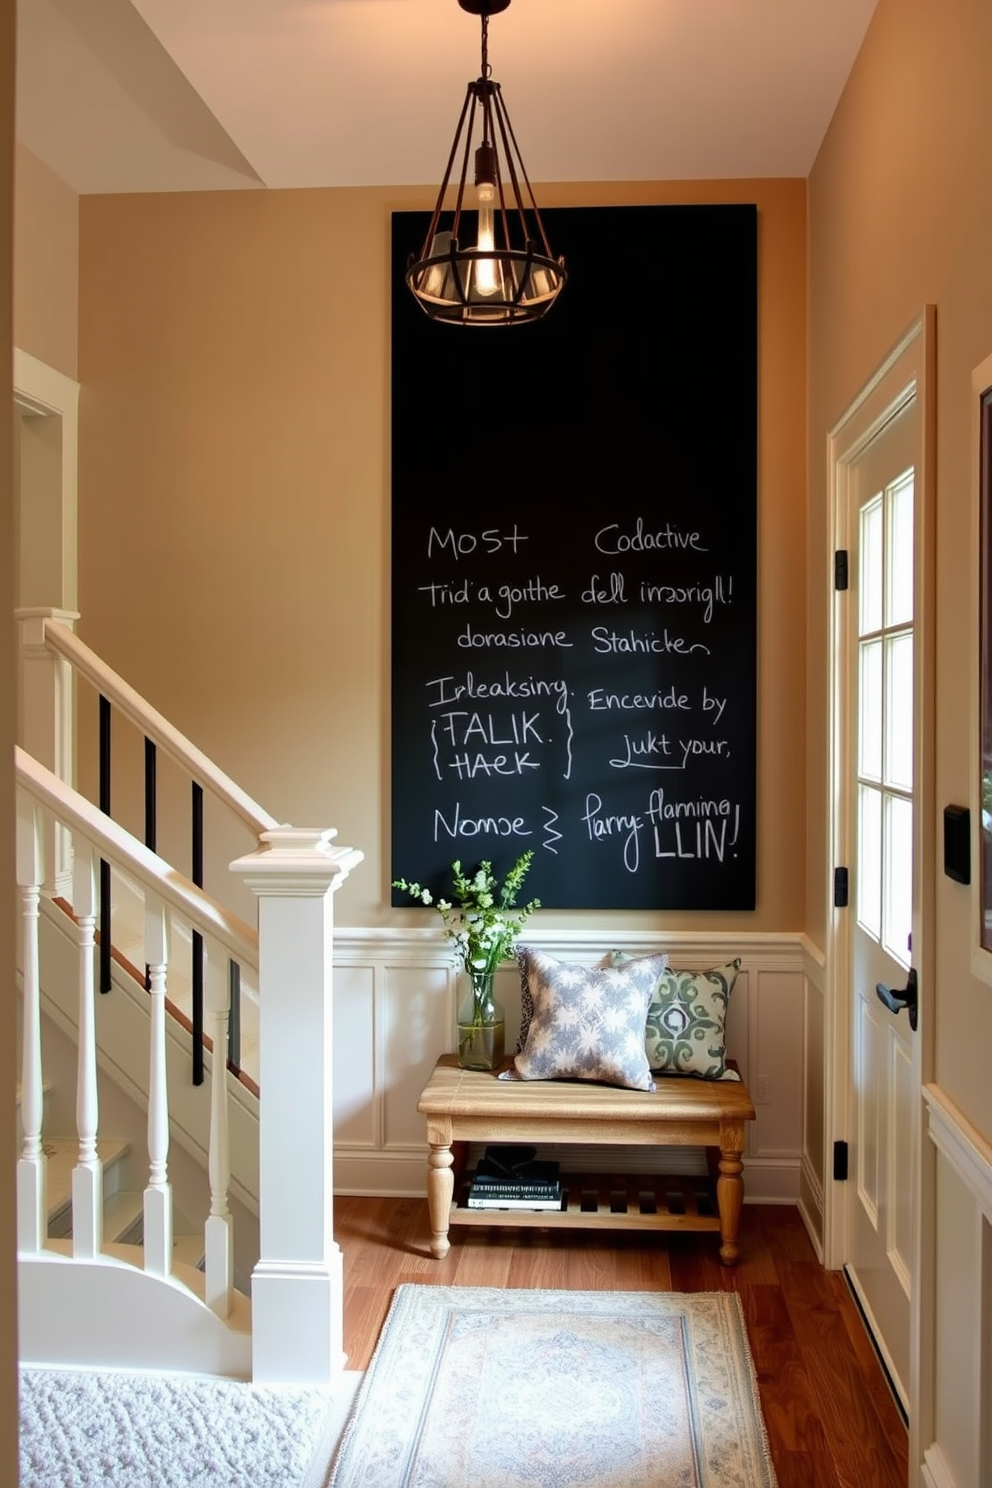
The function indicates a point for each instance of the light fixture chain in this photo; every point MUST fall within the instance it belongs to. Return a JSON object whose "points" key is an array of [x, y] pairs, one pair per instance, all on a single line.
{"points": [[487, 71]]}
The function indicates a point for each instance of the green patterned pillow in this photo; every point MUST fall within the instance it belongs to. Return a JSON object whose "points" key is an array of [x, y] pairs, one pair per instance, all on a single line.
{"points": [[684, 1032]]}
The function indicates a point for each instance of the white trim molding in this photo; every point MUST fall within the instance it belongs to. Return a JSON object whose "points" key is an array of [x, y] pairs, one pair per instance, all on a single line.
{"points": [[963, 1146], [42, 392], [935, 1472], [395, 990], [981, 959]]}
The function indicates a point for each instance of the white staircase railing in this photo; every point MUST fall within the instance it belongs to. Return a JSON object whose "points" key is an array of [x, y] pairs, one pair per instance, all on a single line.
{"points": [[46, 636], [89, 1303], [53, 659]]}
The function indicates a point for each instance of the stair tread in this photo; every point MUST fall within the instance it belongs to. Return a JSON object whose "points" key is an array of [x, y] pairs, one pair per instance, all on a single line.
{"points": [[62, 1153], [121, 1212], [189, 1249], [123, 1222], [186, 1249]]}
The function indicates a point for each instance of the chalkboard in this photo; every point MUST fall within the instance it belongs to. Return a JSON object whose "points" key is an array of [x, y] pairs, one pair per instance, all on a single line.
{"points": [[574, 509]]}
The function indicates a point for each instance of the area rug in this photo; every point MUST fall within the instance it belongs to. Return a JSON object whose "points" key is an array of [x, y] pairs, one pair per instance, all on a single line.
{"points": [[82, 1428], [477, 1387]]}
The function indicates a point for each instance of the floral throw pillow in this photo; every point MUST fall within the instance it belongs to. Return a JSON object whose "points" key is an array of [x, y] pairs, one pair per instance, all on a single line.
{"points": [[527, 1002], [684, 1034], [587, 1022]]}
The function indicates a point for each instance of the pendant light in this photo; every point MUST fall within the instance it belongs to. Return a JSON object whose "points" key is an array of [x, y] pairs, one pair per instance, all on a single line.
{"points": [[487, 261]]}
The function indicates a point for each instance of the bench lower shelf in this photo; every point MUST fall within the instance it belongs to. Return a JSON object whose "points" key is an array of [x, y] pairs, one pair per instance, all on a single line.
{"points": [[607, 1202]]}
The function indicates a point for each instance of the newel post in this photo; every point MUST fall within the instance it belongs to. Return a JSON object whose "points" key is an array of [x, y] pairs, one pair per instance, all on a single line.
{"points": [[297, 1285], [46, 725]]}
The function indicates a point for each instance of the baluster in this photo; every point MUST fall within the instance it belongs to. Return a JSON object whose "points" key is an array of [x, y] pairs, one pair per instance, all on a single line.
{"points": [[151, 809], [234, 1032], [158, 1194], [87, 1176], [219, 1228], [106, 926], [31, 1169], [196, 875], [151, 795]]}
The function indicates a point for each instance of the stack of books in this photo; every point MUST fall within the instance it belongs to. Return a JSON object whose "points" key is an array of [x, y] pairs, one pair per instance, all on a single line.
{"points": [[514, 1178]]}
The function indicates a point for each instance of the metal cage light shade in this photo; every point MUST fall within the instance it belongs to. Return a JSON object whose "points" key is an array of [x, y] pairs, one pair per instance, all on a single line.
{"points": [[508, 275]]}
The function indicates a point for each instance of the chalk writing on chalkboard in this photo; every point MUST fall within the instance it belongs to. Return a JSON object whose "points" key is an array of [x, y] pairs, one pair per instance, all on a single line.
{"points": [[574, 586]]}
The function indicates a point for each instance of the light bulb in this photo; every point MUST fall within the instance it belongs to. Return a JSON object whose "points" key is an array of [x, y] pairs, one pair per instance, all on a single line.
{"points": [[485, 268]]}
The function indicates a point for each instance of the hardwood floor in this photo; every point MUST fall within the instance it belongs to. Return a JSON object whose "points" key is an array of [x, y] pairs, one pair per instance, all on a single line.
{"points": [[831, 1420]]}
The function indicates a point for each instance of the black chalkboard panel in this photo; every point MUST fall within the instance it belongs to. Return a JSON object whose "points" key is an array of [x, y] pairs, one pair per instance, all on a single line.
{"points": [[574, 512]]}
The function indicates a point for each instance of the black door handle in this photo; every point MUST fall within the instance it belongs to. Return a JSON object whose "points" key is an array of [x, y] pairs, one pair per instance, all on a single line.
{"points": [[907, 998]]}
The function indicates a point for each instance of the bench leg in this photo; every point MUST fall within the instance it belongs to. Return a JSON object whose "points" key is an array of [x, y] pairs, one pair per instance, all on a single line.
{"points": [[730, 1196], [440, 1187]]}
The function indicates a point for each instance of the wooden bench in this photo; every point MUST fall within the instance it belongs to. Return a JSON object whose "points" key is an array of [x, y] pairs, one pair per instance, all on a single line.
{"points": [[463, 1106]]}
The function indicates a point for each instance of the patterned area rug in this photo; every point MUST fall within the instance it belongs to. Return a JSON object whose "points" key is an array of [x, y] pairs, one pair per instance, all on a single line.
{"points": [[82, 1428], [475, 1387]]}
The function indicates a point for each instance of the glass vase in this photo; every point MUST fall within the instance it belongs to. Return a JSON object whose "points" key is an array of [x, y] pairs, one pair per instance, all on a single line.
{"points": [[481, 1025]]}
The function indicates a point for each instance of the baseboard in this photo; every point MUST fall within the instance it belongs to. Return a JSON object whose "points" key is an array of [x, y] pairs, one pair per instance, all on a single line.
{"points": [[935, 1472], [380, 1175], [771, 1180], [810, 1225], [361, 1174], [811, 1205]]}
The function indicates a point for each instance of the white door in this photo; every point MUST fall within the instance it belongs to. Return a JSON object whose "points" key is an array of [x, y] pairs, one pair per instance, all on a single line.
{"points": [[880, 751]]}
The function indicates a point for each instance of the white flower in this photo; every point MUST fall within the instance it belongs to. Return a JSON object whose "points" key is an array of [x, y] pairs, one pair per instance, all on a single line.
{"points": [[479, 924]]}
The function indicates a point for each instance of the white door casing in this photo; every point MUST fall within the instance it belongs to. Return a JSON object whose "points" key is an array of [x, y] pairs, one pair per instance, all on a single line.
{"points": [[878, 1223], [46, 405]]}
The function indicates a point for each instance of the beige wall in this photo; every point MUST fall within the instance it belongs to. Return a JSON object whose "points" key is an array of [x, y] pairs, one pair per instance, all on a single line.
{"points": [[900, 214], [46, 247], [234, 495], [8, 1284]]}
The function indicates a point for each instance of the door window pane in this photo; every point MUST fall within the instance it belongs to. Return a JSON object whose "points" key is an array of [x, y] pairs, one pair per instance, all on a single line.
{"points": [[870, 575], [898, 916], [899, 551], [899, 711], [870, 860], [870, 710]]}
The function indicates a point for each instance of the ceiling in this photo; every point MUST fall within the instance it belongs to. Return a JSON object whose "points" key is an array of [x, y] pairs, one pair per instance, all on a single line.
{"points": [[179, 95]]}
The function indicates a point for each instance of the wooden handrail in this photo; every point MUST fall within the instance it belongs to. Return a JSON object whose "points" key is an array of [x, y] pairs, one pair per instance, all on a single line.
{"points": [[155, 726], [125, 852]]}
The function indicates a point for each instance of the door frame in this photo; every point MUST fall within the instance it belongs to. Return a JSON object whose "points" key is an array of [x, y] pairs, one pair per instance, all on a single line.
{"points": [[45, 682], [909, 368], [41, 391]]}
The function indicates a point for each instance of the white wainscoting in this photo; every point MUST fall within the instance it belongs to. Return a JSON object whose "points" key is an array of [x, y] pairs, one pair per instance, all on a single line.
{"points": [[394, 1006], [960, 1453]]}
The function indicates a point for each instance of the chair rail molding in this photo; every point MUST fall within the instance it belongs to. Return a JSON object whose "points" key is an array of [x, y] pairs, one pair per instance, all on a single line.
{"points": [[963, 1146]]}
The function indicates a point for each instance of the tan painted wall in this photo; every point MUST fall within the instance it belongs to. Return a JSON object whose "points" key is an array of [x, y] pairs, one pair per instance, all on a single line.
{"points": [[234, 490], [900, 213], [46, 250], [8, 1280]]}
